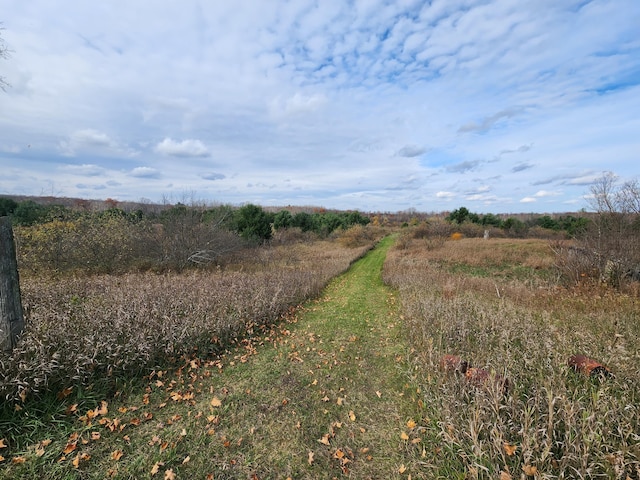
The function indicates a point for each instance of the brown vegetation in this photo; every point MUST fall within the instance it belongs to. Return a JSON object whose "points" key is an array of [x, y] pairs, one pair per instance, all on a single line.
{"points": [[85, 330], [496, 304]]}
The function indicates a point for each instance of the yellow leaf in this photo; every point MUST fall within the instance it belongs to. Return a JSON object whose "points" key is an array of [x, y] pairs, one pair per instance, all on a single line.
{"points": [[76, 461], [530, 470], [352, 416], [324, 440], [402, 469], [45, 443], [509, 449], [411, 424], [404, 436], [215, 402], [3, 443], [39, 452], [169, 475], [340, 400], [310, 459], [1, 458], [156, 468]]}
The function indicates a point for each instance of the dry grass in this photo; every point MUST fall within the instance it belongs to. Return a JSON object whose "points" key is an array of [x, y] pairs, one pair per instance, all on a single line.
{"points": [[495, 303], [91, 331]]}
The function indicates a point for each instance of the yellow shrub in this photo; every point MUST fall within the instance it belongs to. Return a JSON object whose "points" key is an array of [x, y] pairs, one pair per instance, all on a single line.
{"points": [[456, 236]]}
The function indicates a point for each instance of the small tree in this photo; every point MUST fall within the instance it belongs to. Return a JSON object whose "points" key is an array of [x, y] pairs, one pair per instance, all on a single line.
{"points": [[253, 223], [615, 228]]}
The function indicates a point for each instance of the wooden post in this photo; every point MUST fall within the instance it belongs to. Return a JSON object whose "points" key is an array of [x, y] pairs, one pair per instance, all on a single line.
{"points": [[11, 318]]}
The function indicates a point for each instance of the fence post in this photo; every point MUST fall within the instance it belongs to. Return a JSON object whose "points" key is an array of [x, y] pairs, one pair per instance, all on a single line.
{"points": [[11, 318]]}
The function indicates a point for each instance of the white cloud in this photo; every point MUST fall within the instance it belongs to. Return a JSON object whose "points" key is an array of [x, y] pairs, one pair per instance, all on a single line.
{"points": [[145, 172], [339, 98], [185, 148]]}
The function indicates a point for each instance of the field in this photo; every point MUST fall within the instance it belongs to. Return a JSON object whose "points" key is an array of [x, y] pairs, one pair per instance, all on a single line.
{"points": [[496, 304], [119, 371]]}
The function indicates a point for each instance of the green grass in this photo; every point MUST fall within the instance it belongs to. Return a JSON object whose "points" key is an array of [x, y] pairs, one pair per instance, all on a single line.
{"points": [[322, 395]]}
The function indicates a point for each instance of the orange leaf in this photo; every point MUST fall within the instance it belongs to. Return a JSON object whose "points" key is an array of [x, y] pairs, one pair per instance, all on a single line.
{"points": [[71, 446], [95, 435], [76, 461], [352, 416], [3, 443], [65, 393], [509, 449], [505, 476], [215, 402], [18, 460], [1, 458], [404, 436], [402, 469], [325, 439], [411, 424], [530, 470], [117, 455], [169, 475]]}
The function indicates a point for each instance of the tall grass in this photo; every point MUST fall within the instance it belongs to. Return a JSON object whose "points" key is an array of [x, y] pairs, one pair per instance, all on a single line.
{"points": [[495, 304], [91, 331]]}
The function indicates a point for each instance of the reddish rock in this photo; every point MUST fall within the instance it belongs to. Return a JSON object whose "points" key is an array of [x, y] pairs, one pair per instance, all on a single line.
{"points": [[588, 366]]}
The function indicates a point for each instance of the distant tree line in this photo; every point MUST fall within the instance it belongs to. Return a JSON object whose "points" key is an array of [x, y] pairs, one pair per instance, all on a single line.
{"points": [[62, 238], [572, 225]]}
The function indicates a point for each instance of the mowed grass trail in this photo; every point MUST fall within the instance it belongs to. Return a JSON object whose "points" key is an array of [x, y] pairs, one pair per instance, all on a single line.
{"points": [[325, 394]]}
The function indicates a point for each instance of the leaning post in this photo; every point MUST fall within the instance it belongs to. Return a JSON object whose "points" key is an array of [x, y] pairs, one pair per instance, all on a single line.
{"points": [[11, 317]]}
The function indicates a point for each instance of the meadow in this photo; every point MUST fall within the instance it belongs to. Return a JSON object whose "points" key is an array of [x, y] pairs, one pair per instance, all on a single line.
{"points": [[500, 305]]}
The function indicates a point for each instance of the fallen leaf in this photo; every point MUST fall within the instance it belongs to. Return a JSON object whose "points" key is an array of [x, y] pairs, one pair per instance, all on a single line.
{"points": [[71, 446], [379, 394], [2, 458], [117, 455], [325, 439], [18, 460], [402, 469], [411, 424], [509, 449], [505, 476], [169, 475], [64, 393], [404, 436], [3, 443], [215, 402], [352, 416], [186, 459], [530, 470], [310, 459], [156, 468], [46, 443]]}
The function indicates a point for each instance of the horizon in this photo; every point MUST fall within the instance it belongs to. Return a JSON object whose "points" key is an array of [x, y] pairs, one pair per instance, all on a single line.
{"points": [[373, 106]]}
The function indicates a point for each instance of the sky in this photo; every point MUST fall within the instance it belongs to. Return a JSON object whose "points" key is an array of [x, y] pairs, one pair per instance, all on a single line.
{"points": [[500, 106]]}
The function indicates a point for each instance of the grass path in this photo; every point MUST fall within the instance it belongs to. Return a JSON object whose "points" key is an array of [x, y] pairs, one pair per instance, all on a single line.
{"points": [[323, 395]]}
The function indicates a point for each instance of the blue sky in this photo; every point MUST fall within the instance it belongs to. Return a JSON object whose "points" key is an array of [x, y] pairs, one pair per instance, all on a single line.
{"points": [[500, 106]]}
